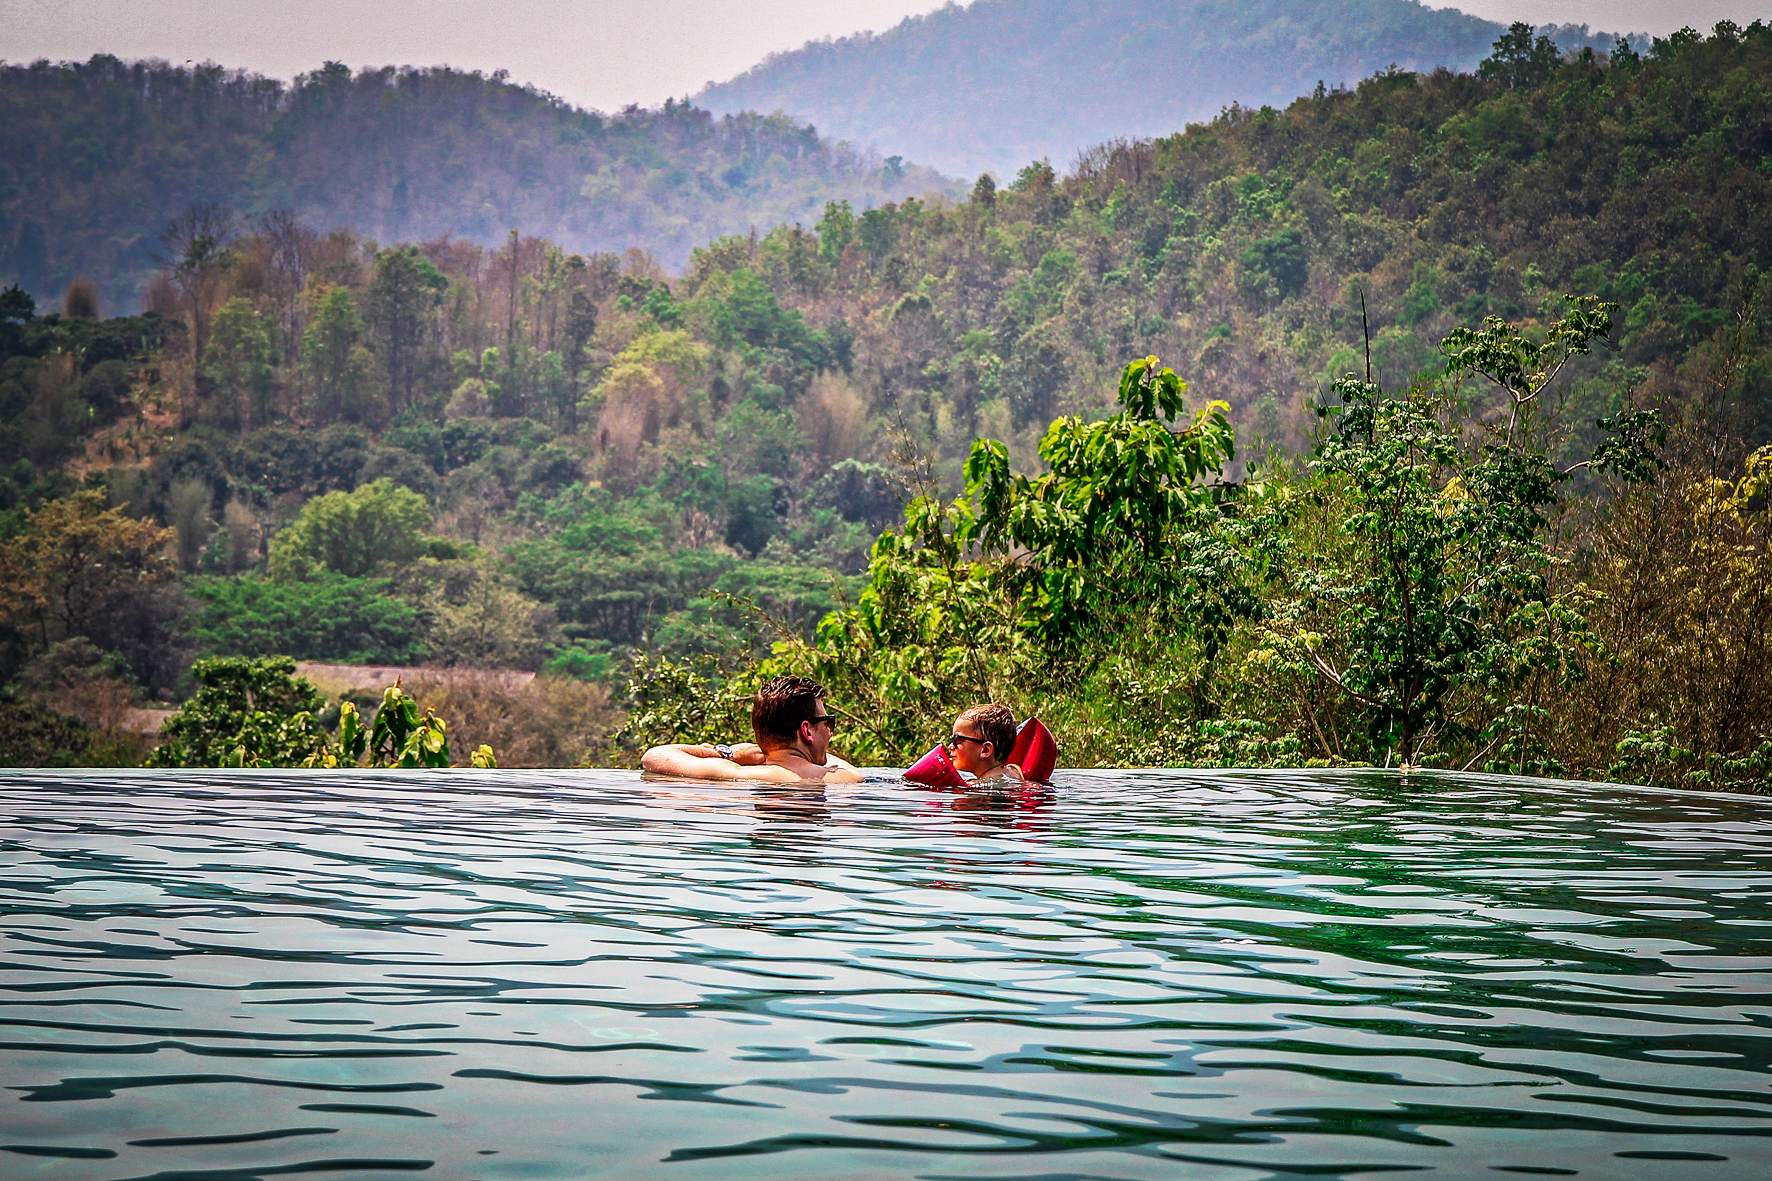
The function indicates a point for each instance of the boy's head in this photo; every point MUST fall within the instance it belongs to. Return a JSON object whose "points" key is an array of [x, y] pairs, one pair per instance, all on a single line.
{"points": [[993, 726], [790, 709]]}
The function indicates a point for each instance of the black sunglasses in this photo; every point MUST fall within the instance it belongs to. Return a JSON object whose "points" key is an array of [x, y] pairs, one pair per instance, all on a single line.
{"points": [[958, 738], [831, 718]]}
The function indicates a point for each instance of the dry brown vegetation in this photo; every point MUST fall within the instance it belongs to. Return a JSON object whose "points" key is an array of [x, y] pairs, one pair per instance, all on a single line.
{"points": [[544, 722]]}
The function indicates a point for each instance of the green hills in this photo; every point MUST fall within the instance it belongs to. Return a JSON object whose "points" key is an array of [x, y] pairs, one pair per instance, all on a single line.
{"points": [[578, 464], [997, 83], [97, 157]]}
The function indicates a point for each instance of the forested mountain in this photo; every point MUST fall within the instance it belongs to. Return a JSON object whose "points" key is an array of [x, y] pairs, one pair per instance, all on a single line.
{"points": [[998, 83], [96, 157], [560, 452]]}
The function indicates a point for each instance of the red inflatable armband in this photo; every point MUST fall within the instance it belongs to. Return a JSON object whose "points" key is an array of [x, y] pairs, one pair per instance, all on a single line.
{"points": [[935, 769], [1036, 751]]}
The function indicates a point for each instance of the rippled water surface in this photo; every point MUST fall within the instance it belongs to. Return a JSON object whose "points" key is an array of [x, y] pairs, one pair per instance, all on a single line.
{"points": [[575, 975]]}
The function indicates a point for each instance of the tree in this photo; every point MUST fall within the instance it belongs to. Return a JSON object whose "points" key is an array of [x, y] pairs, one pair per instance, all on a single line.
{"points": [[404, 292], [291, 247], [337, 364], [199, 253], [403, 737], [324, 617], [81, 569], [257, 703], [189, 503], [1276, 266], [1684, 565], [17, 309], [353, 533], [241, 364], [739, 308], [80, 302], [1035, 373], [836, 229], [1441, 588], [1099, 527], [477, 618], [859, 491], [581, 325], [34, 735], [643, 390], [1502, 355], [1521, 61]]}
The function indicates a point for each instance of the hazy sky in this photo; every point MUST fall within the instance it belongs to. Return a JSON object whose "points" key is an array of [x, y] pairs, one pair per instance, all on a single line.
{"points": [[596, 53]]}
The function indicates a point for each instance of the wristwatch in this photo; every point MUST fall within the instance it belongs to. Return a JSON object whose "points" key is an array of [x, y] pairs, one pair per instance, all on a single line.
{"points": [[725, 751]]}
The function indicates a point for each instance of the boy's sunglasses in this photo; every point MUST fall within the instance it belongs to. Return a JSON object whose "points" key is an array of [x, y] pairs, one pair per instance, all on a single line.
{"points": [[831, 718], [956, 739]]}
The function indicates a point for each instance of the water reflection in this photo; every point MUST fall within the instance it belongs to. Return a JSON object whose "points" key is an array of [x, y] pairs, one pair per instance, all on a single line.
{"points": [[1232, 975], [790, 817], [1017, 805]]}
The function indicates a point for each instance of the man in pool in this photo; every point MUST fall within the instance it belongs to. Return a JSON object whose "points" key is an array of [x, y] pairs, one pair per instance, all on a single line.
{"points": [[793, 730]]}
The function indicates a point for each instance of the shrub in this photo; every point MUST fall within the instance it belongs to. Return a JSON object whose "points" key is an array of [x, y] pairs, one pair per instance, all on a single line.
{"points": [[545, 722], [258, 713], [34, 735], [353, 533]]}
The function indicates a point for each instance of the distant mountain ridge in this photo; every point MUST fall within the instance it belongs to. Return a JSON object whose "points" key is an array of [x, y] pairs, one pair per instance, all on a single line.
{"points": [[97, 156], [999, 83]]}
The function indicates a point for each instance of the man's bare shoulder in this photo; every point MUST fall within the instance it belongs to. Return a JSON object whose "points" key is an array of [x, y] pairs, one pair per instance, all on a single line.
{"points": [[834, 770], [801, 772]]}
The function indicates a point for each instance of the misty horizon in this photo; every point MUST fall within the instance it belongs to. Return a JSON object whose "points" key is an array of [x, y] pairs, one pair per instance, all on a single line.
{"points": [[673, 50]]}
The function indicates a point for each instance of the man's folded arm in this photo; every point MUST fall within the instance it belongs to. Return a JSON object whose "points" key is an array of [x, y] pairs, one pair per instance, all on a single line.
{"points": [[691, 760]]}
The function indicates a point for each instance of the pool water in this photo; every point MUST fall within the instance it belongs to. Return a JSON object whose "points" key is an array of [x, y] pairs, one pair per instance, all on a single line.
{"points": [[1136, 975]]}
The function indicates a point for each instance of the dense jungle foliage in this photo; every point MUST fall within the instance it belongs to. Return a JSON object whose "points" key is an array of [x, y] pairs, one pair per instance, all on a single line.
{"points": [[993, 84], [96, 156], [524, 458]]}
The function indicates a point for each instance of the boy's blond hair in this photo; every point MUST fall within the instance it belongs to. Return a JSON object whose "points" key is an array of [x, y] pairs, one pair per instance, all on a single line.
{"points": [[995, 724]]}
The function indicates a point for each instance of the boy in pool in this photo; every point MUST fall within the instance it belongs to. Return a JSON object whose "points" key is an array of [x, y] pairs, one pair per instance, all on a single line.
{"points": [[983, 738]]}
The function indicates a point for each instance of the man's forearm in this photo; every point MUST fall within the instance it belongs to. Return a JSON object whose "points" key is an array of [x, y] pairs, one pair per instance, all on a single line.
{"points": [[701, 761], [669, 758]]}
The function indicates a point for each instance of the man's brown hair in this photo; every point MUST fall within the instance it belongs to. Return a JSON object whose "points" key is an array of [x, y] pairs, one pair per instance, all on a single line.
{"points": [[995, 724], [782, 704]]}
